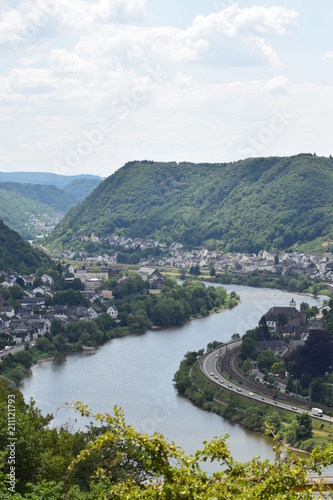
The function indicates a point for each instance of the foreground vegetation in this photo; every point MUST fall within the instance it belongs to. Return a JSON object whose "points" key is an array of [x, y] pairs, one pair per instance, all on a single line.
{"points": [[111, 460]]}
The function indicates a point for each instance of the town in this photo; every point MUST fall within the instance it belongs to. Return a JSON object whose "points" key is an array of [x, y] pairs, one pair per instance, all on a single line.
{"points": [[174, 255], [33, 315]]}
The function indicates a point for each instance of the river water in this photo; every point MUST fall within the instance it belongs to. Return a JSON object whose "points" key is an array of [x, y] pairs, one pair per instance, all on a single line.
{"points": [[136, 374]]}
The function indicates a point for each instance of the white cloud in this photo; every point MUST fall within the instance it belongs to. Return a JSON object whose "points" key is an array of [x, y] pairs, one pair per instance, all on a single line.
{"points": [[237, 33], [31, 80], [328, 56], [166, 88], [79, 14]]}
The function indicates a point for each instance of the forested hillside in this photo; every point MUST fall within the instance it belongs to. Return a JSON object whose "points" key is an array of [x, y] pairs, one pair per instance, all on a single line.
{"points": [[17, 255], [41, 193], [80, 188], [28, 207], [272, 203]]}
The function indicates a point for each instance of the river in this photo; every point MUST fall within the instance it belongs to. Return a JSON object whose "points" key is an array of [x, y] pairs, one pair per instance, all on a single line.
{"points": [[136, 374]]}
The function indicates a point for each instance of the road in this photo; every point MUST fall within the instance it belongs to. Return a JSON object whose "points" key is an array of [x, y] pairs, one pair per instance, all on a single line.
{"points": [[248, 389], [15, 348]]}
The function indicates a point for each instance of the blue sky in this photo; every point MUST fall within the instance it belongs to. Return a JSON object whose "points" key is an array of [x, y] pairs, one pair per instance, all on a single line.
{"points": [[87, 85]]}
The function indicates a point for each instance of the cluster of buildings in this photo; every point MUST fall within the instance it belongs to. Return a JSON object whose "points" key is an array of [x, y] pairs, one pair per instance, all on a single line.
{"points": [[291, 326], [33, 318], [43, 224], [175, 255]]}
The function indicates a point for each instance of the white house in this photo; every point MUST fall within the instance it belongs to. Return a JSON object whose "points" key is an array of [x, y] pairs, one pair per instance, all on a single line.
{"points": [[8, 311], [46, 278], [113, 312], [94, 311]]}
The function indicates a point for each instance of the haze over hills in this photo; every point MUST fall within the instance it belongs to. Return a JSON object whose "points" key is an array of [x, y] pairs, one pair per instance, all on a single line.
{"points": [[60, 181], [272, 203], [34, 208]]}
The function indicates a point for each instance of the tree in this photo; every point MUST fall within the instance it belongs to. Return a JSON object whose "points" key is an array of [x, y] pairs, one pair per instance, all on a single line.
{"points": [[282, 319], [316, 356], [248, 348], [290, 385], [278, 367], [57, 327], [212, 271], [262, 330], [304, 306], [266, 359], [195, 270], [24, 358], [180, 476], [304, 429]]}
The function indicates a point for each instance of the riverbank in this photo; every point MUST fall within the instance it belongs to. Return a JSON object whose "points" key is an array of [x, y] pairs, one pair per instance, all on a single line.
{"points": [[174, 307], [252, 415]]}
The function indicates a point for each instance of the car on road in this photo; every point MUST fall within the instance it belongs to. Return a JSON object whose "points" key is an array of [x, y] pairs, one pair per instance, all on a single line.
{"points": [[1, 352], [216, 377], [239, 389], [216, 355], [230, 386], [251, 394], [211, 374], [222, 381], [293, 408]]}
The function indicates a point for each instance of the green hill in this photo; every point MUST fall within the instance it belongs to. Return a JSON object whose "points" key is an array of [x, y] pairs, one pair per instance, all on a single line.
{"points": [[29, 207], [17, 255], [42, 193], [272, 203], [80, 188]]}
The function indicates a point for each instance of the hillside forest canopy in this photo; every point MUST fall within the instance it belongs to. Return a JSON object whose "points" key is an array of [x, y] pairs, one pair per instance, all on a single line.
{"points": [[246, 206]]}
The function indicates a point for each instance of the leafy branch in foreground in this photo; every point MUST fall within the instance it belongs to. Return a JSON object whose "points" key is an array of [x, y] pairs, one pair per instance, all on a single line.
{"points": [[174, 475]]}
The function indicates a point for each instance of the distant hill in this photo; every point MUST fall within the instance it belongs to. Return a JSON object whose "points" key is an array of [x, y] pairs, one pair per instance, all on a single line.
{"points": [[60, 181], [42, 193], [272, 203], [80, 188], [17, 255], [33, 208], [28, 208]]}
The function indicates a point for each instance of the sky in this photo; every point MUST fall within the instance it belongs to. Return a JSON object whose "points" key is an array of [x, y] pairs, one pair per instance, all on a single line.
{"points": [[88, 85]]}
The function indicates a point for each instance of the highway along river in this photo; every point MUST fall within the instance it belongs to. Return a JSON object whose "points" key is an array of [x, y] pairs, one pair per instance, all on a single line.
{"points": [[136, 373]]}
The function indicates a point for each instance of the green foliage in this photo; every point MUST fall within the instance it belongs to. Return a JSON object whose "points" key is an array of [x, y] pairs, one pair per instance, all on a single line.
{"points": [[248, 348], [111, 460], [71, 298], [243, 206], [18, 255], [254, 418], [21, 201], [316, 356], [304, 429], [266, 359], [79, 188], [49, 196]]}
